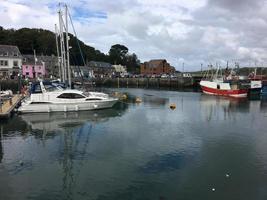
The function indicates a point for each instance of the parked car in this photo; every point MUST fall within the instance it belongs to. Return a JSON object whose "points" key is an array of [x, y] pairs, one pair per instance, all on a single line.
{"points": [[164, 76], [187, 75]]}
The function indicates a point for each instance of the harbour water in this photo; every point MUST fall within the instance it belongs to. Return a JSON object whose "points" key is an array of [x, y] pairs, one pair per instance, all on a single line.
{"points": [[207, 148]]}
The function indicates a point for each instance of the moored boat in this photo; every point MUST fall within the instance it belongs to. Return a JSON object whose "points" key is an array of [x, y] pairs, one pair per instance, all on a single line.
{"points": [[50, 98], [227, 85], [223, 88]]}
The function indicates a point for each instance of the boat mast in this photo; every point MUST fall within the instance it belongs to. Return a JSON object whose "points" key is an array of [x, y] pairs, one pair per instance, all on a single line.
{"points": [[62, 46], [67, 46], [58, 56]]}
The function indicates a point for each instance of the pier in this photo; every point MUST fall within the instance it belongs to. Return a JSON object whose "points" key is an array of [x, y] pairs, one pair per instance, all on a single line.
{"points": [[9, 105]]}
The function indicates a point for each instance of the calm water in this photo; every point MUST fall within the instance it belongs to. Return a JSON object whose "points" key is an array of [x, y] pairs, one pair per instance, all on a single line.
{"points": [[145, 151]]}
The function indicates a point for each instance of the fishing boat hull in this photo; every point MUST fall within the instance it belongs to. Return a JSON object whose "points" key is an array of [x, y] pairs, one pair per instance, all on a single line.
{"points": [[47, 107], [211, 88]]}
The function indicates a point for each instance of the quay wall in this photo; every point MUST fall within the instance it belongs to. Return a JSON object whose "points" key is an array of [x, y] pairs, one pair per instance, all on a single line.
{"points": [[171, 83]]}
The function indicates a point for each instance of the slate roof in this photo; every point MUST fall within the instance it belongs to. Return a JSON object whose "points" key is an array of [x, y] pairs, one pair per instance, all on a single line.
{"points": [[29, 60], [99, 64], [9, 51]]}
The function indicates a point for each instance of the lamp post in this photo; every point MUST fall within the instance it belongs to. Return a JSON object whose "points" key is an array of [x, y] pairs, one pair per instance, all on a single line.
{"points": [[19, 82]]}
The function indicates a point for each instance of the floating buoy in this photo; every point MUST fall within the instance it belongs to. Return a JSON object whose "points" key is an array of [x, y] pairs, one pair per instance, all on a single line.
{"points": [[227, 175], [172, 106], [213, 189], [138, 100], [123, 97]]}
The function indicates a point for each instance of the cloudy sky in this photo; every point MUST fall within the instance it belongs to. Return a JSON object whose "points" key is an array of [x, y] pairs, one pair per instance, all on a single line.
{"points": [[182, 31]]}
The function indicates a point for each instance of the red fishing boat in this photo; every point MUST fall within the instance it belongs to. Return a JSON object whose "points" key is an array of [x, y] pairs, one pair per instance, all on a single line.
{"points": [[223, 85]]}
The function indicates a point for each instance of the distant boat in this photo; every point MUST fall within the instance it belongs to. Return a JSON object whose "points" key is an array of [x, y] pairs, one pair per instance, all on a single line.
{"points": [[51, 98], [219, 85]]}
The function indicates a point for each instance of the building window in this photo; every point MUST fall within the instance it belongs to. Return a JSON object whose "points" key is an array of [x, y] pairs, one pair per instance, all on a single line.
{"points": [[15, 54], [27, 73], [15, 63], [1, 62], [6, 54]]}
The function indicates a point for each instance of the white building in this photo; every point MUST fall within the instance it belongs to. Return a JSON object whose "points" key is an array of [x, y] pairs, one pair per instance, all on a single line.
{"points": [[120, 69], [10, 61]]}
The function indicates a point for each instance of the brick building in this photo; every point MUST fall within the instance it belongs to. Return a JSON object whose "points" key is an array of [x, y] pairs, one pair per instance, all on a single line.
{"points": [[156, 67]]}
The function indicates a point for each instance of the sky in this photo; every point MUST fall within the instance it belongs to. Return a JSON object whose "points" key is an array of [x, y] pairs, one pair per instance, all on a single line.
{"points": [[192, 32]]}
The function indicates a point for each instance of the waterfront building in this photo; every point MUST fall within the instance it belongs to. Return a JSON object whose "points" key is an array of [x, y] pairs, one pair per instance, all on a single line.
{"points": [[156, 67], [101, 69], [82, 71], [47, 66], [120, 70], [10, 61], [32, 67], [51, 65]]}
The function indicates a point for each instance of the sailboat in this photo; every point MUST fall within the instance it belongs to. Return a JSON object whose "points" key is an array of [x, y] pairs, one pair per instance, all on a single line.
{"points": [[51, 97]]}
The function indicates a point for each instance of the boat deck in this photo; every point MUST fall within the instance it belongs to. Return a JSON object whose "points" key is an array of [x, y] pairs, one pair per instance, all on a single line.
{"points": [[9, 105]]}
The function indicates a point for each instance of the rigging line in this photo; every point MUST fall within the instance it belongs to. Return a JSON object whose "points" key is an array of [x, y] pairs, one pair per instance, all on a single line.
{"points": [[77, 66], [77, 40], [64, 27]]}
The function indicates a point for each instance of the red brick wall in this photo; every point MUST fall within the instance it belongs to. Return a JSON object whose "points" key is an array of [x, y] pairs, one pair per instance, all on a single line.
{"points": [[156, 67]]}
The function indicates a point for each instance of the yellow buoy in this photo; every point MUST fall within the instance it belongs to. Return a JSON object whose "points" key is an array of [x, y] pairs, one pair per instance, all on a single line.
{"points": [[138, 100], [124, 97], [172, 106]]}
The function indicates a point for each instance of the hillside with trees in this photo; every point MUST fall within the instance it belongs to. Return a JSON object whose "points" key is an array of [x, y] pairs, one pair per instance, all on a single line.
{"points": [[43, 42]]}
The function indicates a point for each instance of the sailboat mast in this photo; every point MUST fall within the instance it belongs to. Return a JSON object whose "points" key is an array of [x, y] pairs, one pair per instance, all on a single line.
{"points": [[67, 46], [58, 56], [63, 48]]}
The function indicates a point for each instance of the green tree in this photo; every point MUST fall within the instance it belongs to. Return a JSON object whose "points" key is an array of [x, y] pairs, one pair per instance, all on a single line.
{"points": [[117, 54]]}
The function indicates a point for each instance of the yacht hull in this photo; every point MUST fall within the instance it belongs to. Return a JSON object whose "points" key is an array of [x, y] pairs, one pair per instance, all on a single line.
{"points": [[66, 107]]}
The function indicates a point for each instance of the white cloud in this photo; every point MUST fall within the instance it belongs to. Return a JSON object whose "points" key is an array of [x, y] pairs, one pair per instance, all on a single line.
{"points": [[189, 31]]}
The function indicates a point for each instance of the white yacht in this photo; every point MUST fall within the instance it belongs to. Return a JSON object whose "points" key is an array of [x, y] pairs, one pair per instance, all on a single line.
{"points": [[52, 98]]}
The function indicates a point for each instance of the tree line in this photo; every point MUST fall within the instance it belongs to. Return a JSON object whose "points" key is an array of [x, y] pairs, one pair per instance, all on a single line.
{"points": [[44, 43]]}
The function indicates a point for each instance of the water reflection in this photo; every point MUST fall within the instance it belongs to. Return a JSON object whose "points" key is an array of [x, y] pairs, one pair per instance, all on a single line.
{"points": [[215, 107], [1, 147], [50, 122], [138, 152]]}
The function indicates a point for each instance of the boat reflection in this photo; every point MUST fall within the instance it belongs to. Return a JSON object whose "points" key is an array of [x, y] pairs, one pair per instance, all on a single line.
{"points": [[1, 147], [50, 122], [214, 106]]}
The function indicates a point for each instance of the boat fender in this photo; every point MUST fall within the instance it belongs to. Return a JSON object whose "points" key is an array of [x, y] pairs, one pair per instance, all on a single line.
{"points": [[138, 100], [172, 106], [76, 108], [123, 97], [95, 106]]}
